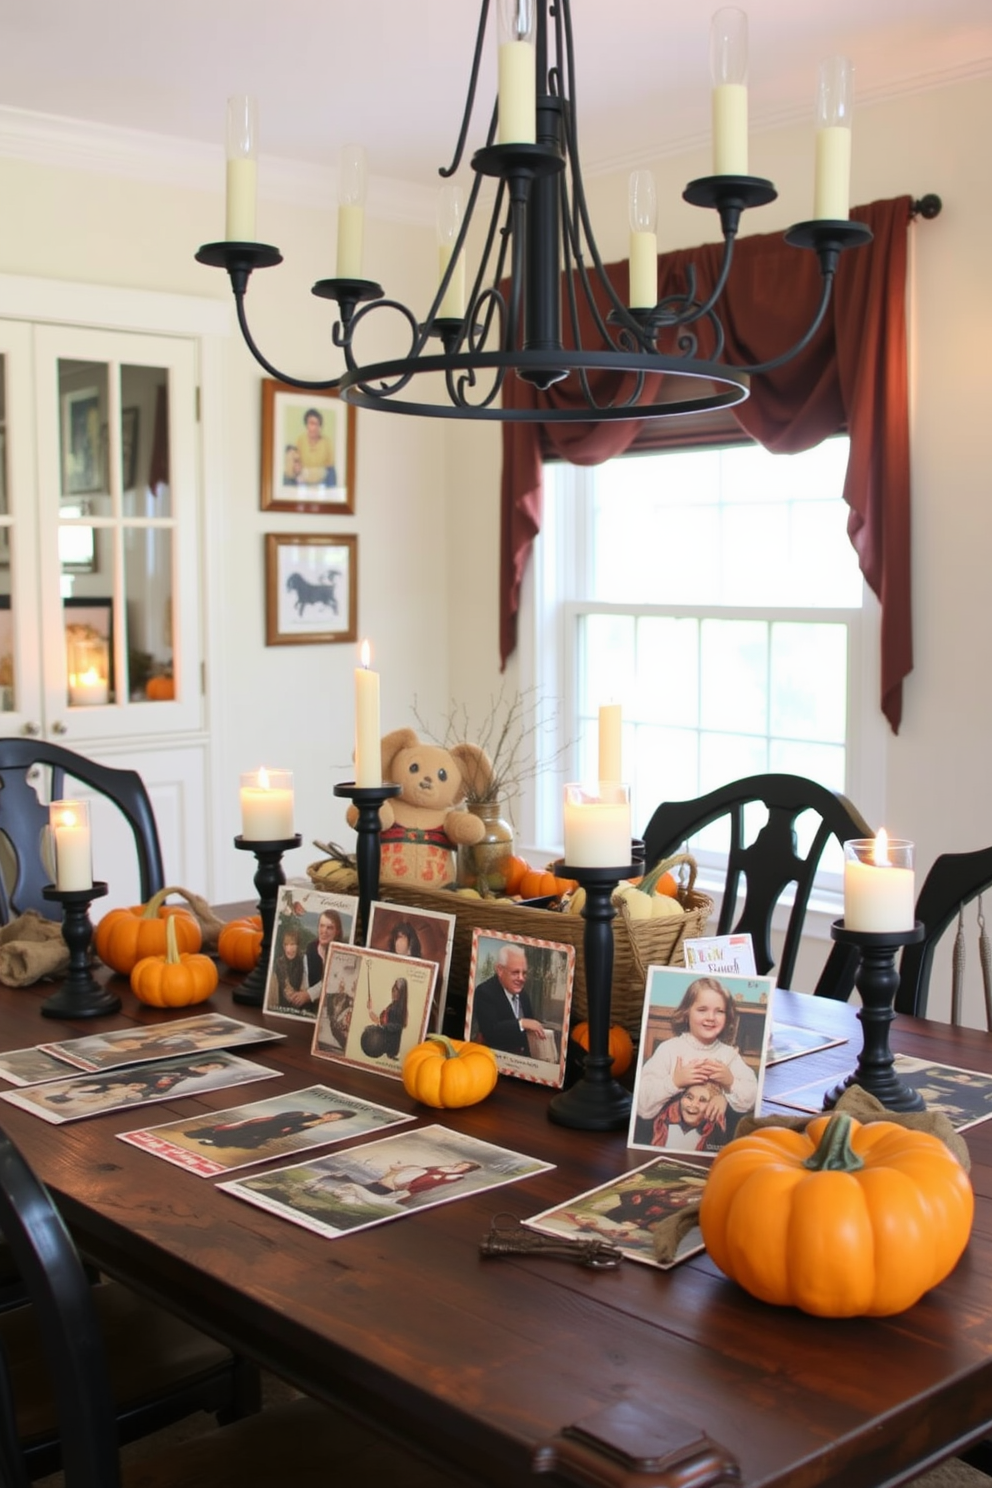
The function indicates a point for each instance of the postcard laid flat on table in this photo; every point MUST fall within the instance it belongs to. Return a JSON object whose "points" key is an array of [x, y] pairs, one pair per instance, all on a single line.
{"points": [[964, 1096], [113, 1090], [787, 1042], [627, 1210], [369, 1185], [31, 1066], [282, 1126], [158, 1041]]}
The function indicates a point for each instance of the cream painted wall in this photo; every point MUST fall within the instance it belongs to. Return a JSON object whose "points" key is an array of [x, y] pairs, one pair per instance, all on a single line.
{"points": [[284, 706], [938, 781]]}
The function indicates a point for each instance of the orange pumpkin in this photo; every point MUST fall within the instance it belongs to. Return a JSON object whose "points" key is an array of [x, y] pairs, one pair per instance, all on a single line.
{"points": [[174, 979], [667, 884], [513, 869], [124, 936], [621, 1046], [159, 689], [240, 942], [536, 883]]}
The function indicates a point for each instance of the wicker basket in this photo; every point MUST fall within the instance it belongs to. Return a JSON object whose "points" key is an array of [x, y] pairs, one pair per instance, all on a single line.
{"points": [[637, 944]]}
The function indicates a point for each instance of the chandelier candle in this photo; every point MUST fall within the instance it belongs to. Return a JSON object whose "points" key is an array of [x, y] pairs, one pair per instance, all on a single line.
{"points": [[70, 826], [517, 74], [368, 743], [728, 70], [879, 885], [242, 157], [597, 825], [834, 99], [352, 179], [643, 205], [450, 211], [267, 805], [610, 735]]}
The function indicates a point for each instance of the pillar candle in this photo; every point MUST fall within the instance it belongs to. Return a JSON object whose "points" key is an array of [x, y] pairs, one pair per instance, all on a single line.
{"points": [[368, 743], [70, 824], [610, 734], [879, 885], [88, 689], [267, 806], [597, 826]]}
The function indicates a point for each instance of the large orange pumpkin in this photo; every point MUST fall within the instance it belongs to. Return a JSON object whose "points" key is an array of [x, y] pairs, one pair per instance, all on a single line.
{"points": [[621, 1046], [124, 936], [240, 942]]}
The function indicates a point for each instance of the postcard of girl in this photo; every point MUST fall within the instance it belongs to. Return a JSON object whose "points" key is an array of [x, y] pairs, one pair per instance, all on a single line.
{"points": [[703, 1050]]}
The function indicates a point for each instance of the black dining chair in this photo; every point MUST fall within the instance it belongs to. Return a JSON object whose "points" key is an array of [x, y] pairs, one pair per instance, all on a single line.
{"points": [[299, 1443], [953, 882], [769, 862], [23, 819]]}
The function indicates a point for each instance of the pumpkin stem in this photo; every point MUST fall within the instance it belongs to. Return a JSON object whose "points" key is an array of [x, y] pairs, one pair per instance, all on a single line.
{"points": [[172, 955], [450, 1052], [151, 909], [835, 1153]]}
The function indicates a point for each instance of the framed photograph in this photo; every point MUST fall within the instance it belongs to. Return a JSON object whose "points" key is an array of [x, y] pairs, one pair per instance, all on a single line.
{"points": [[308, 450], [82, 461], [129, 447], [311, 589], [423, 933], [374, 1008], [520, 995], [701, 1060], [307, 924]]}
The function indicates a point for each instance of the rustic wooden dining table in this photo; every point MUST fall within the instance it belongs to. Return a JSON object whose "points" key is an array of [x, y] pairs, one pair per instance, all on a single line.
{"points": [[639, 1376]]}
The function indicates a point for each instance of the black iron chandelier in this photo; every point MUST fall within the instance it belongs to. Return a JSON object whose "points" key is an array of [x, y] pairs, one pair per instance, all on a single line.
{"points": [[540, 263]]}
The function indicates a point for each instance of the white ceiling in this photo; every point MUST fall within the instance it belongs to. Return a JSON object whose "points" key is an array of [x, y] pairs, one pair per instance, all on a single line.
{"points": [[392, 73]]}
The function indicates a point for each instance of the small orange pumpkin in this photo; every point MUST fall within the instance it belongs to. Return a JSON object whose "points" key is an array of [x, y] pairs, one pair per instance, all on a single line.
{"points": [[621, 1046], [240, 942], [176, 979], [513, 869], [124, 936], [446, 1073], [537, 883], [160, 689]]}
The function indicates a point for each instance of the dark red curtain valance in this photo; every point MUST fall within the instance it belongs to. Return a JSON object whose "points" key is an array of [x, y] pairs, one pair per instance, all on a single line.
{"points": [[852, 376]]}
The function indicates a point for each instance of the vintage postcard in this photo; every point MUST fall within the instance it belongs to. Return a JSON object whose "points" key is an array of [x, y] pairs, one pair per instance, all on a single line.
{"points": [[114, 1090], [282, 1126], [520, 996], [426, 934], [308, 922], [627, 1210], [159, 1041], [368, 1185], [964, 1096], [701, 1060], [732, 955], [31, 1067], [787, 1042], [375, 1007]]}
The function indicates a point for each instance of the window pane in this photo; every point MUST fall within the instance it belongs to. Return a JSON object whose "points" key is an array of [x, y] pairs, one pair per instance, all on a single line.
{"points": [[809, 681], [735, 675], [83, 402], [144, 442], [666, 681], [148, 600]]}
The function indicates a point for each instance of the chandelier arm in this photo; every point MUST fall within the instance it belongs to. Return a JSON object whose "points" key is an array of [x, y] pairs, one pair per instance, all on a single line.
{"points": [[721, 284], [479, 296], [470, 100], [326, 385], [803, 341]]}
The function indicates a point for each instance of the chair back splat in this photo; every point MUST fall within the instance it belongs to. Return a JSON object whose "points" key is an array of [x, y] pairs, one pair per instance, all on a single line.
{"points": [[23, 818], [769, 864], [954, 881]]}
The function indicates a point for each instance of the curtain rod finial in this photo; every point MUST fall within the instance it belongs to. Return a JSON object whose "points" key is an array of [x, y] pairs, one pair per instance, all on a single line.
{"points": [[928, 206]]}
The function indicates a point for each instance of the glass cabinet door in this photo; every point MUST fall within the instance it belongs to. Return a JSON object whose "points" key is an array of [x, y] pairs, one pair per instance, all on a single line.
{"points": [[117, 531], [21, 709]]}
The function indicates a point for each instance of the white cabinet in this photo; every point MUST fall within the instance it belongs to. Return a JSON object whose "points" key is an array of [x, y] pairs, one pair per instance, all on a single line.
{"points": [[101, 630]]}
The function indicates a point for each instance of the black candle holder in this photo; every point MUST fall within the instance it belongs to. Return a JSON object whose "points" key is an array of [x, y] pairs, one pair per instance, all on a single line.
{"points": [[269, 879], [596, 1102], [79, 996], [367, 800], [877, 981]]}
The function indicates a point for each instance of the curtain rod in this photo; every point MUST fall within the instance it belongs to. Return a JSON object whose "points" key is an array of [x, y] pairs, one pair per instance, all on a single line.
{"points": [[927, 207]]}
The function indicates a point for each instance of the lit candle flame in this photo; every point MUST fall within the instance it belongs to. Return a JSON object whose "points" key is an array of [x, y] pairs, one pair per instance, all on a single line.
{"points": [[365, 655], [67, 818], [880, 852], [263, 779]]}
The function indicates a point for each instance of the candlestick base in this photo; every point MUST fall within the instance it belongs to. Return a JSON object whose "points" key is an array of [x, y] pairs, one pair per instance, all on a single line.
{"points": [[79, 996], [877, 981], [596, 1102], [269, 878], [368, 850]]}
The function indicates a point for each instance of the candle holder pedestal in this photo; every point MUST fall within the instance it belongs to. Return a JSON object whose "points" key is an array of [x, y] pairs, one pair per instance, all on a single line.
{"points": [[596, 1102], [79, 996], [877, 981], [368, 850], [269, 878]]}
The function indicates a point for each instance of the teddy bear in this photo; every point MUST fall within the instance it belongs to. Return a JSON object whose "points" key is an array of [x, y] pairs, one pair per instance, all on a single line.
{"points": [[424, 824]]}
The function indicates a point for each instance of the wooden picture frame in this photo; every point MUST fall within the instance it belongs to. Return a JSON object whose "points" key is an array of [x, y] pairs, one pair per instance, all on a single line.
{"points": [[82, 443], [300, 431], [311, 588]]}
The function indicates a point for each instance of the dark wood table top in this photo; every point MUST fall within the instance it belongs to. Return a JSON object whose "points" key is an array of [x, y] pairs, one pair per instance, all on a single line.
{"points": [[484, 1360]]}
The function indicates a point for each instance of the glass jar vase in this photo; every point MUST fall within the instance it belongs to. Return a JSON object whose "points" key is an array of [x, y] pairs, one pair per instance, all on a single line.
{"points": [[484, 861]]}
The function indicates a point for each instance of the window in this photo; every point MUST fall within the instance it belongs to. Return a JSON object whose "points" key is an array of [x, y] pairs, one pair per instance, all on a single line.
{"points": [[715, 594]]}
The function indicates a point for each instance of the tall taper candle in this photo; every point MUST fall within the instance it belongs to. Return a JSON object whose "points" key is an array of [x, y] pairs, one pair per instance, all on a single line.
{"points": [[368, 744], [610, 736], [242, 157]]}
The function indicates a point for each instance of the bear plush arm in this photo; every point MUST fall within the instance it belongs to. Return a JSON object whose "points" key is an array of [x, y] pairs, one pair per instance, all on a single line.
{"points": [[464, 828]]}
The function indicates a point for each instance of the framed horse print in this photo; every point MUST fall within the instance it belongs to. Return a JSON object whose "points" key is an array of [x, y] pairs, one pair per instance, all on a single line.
{"points": [[308, 450], [311, 588]]}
